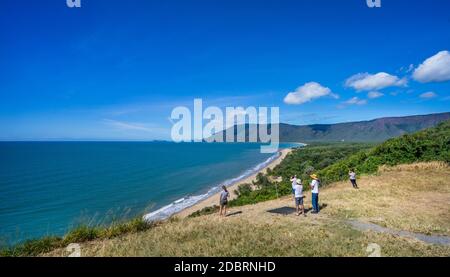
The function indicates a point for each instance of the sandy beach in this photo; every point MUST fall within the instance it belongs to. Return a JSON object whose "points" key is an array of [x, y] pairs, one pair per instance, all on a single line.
{"points": [[214, 199]]}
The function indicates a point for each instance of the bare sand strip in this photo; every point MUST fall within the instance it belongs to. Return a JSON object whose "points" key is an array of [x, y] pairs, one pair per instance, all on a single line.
{"points": [[214, 199]]}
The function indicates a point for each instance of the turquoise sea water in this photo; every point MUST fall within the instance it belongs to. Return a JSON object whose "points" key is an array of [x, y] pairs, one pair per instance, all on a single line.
{"points": [[47, 188]]}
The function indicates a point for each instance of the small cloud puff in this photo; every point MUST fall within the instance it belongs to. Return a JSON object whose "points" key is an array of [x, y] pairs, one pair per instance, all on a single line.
{"points": [[367, 82], [307, 93], [374, 94], [428, 95], [355, 101]]}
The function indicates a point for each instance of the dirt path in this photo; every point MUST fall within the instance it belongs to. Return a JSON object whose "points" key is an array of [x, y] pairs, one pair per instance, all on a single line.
{"points": [[364, 226], [283, 209]]}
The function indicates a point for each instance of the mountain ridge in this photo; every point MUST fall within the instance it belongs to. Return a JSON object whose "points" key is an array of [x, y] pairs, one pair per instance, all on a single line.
{"points": [[374, 130]]}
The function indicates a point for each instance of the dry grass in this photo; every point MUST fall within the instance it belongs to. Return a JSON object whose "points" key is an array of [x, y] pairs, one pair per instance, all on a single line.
{"points": [[408, 197], [287, 236], [423, 166], [414, 198]]}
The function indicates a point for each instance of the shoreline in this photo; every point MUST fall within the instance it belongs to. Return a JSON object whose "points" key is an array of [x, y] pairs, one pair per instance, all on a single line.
{"points": [[213, 199]]}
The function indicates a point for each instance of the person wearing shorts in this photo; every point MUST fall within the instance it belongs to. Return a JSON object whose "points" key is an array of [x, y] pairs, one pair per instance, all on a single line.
{"points": [[224, 201], [298, 194]]}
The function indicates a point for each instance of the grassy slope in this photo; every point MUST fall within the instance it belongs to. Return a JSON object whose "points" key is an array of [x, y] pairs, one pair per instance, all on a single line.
{"points": [[413, 198]]}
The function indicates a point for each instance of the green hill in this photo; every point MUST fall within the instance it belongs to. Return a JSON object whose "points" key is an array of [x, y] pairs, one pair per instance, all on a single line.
{"points": [[376, 130]]}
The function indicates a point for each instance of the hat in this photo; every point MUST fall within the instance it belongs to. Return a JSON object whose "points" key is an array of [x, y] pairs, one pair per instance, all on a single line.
{"points": [[314, 176], [299, 181]]}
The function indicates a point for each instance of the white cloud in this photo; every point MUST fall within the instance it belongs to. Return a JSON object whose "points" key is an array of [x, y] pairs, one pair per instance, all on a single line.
{"points": [[127, 125], [355, 101], [366, 81], [410, 68], [428, 95], [308, 92], [434, 69], [406, 69], [374, 94]]}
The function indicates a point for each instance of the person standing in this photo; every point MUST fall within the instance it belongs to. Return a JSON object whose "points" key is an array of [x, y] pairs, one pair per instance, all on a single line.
{"points": [[315, 193], [352, 176], [294, 182], [299, 197], [224, 201]]}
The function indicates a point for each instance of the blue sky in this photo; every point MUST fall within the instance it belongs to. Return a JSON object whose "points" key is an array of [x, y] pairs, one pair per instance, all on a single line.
{"points": [[114, 69]]}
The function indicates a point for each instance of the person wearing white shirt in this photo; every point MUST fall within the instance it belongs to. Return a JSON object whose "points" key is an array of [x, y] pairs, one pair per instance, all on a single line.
{"points": [[315, 193], [352, 176], [294, 182], [298, 194]]}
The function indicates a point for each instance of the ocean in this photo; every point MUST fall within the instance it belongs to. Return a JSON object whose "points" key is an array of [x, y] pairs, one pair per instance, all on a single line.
{"points": [[47, 188]]}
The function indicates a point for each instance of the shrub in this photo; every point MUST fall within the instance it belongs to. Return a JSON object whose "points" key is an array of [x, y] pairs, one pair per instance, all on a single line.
{"points": [[205, 211], [81, 234]]}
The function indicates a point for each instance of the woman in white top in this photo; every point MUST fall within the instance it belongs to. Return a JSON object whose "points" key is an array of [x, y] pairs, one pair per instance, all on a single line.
{"points": [[352, 176]]}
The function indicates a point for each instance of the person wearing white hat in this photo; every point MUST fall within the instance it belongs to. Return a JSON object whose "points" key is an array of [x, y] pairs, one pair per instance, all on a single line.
{"points": [[298, 194]]}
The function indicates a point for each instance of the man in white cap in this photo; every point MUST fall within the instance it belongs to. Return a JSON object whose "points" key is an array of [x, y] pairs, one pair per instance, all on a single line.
{"points": [[298, 194]]}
